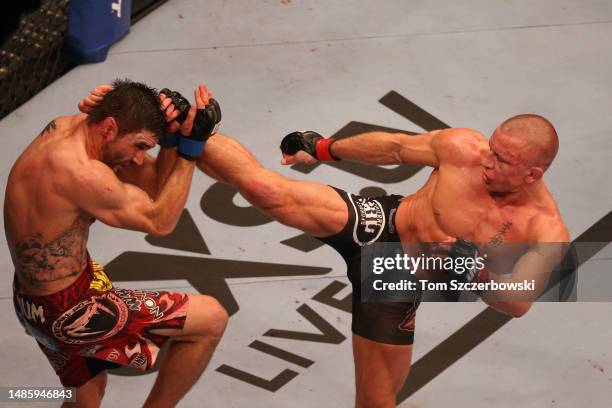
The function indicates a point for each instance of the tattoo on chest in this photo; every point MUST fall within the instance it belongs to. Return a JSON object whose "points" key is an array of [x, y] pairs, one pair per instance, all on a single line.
{"points": [[498, 238], [49, 261]]}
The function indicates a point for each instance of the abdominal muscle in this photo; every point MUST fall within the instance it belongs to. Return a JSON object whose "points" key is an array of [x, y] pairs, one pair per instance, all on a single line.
{"points": [[415, 220]]}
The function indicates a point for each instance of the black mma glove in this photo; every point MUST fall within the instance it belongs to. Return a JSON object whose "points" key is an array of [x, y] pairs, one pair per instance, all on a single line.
{"points": [[180, 103], [205, 125], [470, 273], [311, 142]]}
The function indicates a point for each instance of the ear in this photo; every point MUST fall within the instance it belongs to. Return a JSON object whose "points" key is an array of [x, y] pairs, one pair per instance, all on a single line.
{"points": [[535, 174], [109, 129]]}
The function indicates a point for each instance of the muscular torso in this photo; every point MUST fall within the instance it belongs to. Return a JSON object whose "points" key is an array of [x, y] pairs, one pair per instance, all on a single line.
{"points": [[46, 233], [455, 202]]}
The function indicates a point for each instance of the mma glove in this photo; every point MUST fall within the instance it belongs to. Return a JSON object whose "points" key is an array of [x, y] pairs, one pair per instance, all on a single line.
{"points": [[170, 140], [180, 103], [205, 124], [311, 142], [466, 250]]}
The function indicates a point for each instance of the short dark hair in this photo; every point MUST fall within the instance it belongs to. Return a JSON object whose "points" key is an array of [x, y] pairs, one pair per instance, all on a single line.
{"points": [[134, 105], [538, 132]]}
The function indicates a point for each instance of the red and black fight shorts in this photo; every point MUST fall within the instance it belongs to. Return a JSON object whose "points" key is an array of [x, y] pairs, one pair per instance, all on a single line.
{"points": [[370, 221], [90, 326]]}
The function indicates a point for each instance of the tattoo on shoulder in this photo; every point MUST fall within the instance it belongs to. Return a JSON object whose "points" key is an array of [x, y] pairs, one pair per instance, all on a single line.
{"points": [[50, 126], [42, 262], [498, 238]]}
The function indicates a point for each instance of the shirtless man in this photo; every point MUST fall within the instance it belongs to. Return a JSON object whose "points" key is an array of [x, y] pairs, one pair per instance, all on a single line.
{"points": [[87, 167], [480, 191]]}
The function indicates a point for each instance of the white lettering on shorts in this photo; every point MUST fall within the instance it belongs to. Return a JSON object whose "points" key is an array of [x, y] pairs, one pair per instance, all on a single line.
{"points": [[369, 220]]}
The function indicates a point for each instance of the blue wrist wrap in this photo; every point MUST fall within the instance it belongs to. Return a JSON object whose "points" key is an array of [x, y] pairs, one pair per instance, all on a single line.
{"points": [[189, 148]]}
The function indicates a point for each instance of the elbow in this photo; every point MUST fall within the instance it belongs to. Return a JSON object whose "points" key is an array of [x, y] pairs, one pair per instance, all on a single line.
{"points": [[520, 309], [158, 233], [160, 230], [160, 222]]}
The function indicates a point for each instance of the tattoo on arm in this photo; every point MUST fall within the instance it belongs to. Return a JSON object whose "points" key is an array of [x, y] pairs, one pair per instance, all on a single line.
{"points": [[42, 262]]}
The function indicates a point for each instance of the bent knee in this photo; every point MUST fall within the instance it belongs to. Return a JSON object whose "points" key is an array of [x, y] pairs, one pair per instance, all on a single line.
{"points": [[219, 318], [519, 313], [519, 309], [210, 314]]}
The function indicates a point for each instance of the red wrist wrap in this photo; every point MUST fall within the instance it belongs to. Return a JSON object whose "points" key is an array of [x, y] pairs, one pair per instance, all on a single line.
{"points": [[322, 149]]}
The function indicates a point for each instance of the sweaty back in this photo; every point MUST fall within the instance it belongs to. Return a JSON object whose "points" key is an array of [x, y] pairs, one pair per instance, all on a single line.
{"points": [[47, 235]]}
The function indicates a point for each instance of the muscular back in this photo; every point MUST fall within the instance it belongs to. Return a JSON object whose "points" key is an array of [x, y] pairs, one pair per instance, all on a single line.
{"points": [[47, 234]]}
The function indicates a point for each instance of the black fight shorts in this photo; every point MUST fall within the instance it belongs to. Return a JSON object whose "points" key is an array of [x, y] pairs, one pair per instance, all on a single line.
{"points": [[372, 220]]}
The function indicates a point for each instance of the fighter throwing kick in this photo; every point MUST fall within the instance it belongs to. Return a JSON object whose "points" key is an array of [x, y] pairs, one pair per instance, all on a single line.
{"points": [[479, 190]]}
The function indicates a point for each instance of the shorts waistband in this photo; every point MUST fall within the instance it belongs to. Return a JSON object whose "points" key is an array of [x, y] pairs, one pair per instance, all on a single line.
{"points": [[67, 296]]}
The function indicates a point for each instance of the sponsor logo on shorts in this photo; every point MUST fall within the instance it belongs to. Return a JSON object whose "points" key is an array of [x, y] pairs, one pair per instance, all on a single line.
{"points": [[409, 322], [30, 311], [91, 320], [135, 356], [140, 361], [113, 355], [134, 299], [151, 300], [370, 220]]}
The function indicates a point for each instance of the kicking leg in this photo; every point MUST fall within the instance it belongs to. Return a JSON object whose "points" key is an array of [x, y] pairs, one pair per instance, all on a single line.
{"points": [[314, 208]]}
